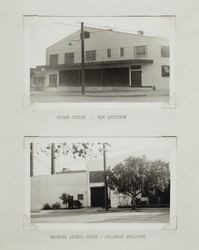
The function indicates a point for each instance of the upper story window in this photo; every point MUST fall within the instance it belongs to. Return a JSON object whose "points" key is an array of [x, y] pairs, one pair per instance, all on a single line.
{"points": [[121, 51], [96, 176], [86, 34], [140, 51], [108, 52], [165, 51], [91, 55], [54, 59], [69, 58], [165, 70]]}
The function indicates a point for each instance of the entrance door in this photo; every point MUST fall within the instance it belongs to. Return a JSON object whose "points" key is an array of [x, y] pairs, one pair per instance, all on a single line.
{"points": [[136, 76], [97, 197], [53, 80]]}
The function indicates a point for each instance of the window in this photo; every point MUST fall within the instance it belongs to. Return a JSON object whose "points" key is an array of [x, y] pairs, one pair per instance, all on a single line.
{"points": [[80, 197], [96, 176], [165, 51], [54, 59], [165, 70], [108, 52], [86, 34], [140, 51], [91, 55], [121, 51], [69, 58]]}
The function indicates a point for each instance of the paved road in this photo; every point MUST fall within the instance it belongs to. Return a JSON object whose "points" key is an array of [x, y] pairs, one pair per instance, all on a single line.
{"points": [[53, 97], [89, 215]]}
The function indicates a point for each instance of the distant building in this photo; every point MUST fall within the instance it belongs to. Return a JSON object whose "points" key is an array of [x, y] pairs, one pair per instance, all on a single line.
{"points": [[113, 59]]}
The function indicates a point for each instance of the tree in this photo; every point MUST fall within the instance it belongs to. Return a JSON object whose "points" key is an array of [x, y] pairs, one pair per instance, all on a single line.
{"points": [[73, 150], [131, 175]]}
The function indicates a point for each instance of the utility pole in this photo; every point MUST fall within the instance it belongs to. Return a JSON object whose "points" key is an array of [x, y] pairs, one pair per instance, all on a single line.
{"points": [[31, 160], [105, 178], [83, 62], [52, 158]]}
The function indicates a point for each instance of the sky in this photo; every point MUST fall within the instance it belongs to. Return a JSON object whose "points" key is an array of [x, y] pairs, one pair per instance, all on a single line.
{"points": [[119, 149], [41, 32]]}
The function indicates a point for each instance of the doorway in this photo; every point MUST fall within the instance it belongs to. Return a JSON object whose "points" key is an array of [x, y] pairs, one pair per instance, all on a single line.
{"points": [[52, 80], [136, 76], [97, 196]]}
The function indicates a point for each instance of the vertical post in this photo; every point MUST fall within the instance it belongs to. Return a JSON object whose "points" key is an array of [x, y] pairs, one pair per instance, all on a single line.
{"points": [[102, 77], [130, 76], [52, 158], [105, 178], [31, 160], [83, 62]]}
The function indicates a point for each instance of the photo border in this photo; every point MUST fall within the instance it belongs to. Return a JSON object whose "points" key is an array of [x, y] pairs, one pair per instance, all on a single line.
{"points": [[100, 227], [171, 104]]}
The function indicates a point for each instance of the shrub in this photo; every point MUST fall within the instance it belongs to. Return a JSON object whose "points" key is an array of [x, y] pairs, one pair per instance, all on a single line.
{"points": [[65, 198], [46, 206], [154, 199], [56, 205], [77, 204]]}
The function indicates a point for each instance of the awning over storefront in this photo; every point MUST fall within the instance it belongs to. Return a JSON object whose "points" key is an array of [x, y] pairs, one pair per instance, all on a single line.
{"points": [[98, 65]]}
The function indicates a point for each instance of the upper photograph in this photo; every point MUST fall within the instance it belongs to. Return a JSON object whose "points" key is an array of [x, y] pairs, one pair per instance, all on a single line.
{"points": [[99, 59]]}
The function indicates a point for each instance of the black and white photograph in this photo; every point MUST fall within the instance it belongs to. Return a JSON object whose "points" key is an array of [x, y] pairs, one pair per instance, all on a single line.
{"points": [[117, 180], [99, 125], [99, 59]]}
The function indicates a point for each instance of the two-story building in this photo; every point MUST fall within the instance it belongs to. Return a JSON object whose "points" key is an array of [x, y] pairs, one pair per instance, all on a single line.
{"points": [[113, 59]]}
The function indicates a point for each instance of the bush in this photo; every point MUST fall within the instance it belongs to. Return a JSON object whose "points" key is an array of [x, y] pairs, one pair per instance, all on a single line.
{"points": [[77, 204], [46, 206], [154, 199], [56, 205], [65, 199]]}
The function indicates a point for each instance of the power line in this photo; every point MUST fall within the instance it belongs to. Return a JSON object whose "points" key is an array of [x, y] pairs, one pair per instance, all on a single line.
{"points": [[67, 24]]}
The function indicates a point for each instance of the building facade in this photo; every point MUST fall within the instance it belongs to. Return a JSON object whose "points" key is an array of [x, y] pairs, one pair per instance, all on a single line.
{"points": [[84, 185], [88, 187], [112, 60]]}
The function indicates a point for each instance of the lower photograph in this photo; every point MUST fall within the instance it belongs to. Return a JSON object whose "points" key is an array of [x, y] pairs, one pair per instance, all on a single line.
{"points": [[100, 180]]}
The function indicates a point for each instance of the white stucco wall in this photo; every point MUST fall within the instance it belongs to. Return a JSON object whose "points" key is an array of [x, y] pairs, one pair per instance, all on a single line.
{"points": [[101, 40], [48, 188]]}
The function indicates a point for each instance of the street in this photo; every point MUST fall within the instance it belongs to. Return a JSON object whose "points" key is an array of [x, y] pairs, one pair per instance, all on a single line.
{"points": [[96, 215], [114, 96]]}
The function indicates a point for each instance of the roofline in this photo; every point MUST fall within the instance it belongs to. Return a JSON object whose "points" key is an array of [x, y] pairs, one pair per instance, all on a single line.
{"points": [[109, 30], [72, 172], [126, 33]]}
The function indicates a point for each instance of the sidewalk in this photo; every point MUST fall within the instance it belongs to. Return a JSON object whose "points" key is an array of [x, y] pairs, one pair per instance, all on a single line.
{"points": [[100, 96], [98, 215]]}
